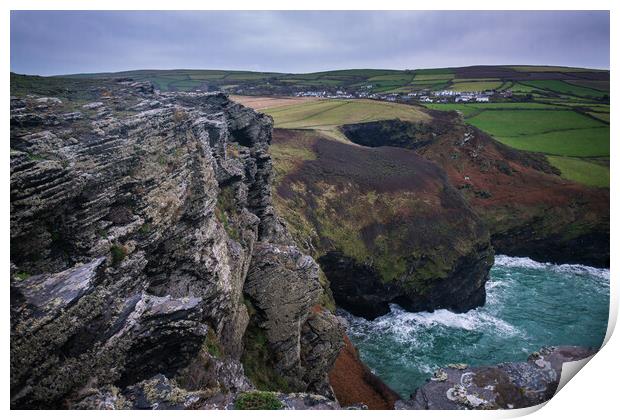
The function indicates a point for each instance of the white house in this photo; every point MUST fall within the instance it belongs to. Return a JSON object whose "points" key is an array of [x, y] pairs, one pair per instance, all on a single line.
{"points": [[463, 98]]}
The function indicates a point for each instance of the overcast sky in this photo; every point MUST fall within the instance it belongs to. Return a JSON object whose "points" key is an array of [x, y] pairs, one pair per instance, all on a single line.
{"points": [[60, 42]]}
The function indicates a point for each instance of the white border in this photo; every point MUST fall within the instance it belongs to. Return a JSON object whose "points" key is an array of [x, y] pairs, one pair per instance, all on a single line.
{"points": [[592, 395]]}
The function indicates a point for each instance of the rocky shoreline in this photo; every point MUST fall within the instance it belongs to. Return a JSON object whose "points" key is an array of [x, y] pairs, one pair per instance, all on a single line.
{"points": [[504, 386]]}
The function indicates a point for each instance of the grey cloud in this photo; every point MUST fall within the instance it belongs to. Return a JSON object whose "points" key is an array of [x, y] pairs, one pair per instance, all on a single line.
{"points": [[61, 42]]}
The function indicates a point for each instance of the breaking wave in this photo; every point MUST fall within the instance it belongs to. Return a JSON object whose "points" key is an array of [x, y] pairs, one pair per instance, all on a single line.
{"points": [[529, 305], [402, 324], [577, 269]]}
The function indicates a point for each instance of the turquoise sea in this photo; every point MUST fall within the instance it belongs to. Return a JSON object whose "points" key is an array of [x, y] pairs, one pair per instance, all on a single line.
{"points": [[529, 305]]}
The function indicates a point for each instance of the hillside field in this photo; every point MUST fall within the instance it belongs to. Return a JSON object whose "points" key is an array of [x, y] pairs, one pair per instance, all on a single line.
{"points": [[327, 115], [560, 111], [540, 81], [569, 138], [564, 131]]}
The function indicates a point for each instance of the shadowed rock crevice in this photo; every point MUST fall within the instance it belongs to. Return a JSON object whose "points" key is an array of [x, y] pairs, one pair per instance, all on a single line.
{"points": [[395, 133], [359, 289]]}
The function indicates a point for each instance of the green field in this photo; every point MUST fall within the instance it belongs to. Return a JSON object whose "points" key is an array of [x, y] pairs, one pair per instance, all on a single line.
{"points": [[590, 142], [513, 123], [565, 133], [594, 84], [419, 77], [522, 88], [559, 86], [582, 171], [600, 115], [400, 78], [475, 86]]}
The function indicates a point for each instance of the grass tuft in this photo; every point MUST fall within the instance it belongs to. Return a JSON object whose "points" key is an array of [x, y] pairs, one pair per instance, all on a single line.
{"points": [[118, 254], [258, 400]]}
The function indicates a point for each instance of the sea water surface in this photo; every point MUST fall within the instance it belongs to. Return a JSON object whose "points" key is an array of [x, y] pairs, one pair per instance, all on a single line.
{"points": [[529, 305]]}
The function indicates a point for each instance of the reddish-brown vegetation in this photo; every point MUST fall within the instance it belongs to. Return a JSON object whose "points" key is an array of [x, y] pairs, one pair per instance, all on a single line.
{"points": [[354, 383], [530, 210]]}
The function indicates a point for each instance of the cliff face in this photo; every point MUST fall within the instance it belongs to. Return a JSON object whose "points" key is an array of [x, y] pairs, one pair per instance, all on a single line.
{"points": [[144, 243], [384, 223]]}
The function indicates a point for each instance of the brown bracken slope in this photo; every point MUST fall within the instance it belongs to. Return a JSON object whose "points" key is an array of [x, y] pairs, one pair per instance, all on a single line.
{"points": [[353, 383], [530, 210]]}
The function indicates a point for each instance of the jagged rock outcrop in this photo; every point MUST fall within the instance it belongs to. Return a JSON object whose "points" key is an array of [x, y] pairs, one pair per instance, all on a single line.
{"points": [[161, 393], [507, 385], [282, 286], [135, 218]]}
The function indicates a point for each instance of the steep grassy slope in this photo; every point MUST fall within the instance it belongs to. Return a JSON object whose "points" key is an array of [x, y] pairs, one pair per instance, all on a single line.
{"points": [[594, 173]]}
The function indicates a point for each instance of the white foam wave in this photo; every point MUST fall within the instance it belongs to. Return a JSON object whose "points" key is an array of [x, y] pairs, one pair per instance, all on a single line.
{"points": [[577, 269], [496, 289], [406, 326]]}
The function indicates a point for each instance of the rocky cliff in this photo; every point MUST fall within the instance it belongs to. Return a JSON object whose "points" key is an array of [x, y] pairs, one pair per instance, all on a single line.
{"points": [[529, 210], [148, 266], [384, 223]]}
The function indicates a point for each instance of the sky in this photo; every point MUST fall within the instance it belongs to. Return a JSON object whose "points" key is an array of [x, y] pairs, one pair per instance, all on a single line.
{"points": [[65, 42]]}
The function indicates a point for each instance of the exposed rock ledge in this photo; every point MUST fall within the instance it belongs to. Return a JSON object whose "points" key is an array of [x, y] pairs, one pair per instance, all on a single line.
{"points": [[507, 385]]}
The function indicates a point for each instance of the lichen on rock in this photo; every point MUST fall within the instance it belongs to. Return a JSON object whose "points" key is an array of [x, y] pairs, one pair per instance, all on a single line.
{"points": [[504, 386]]}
